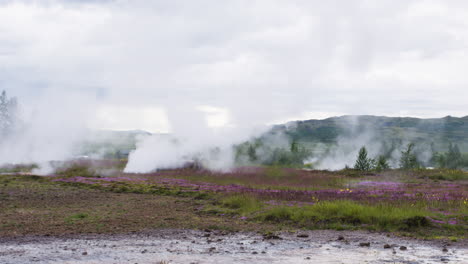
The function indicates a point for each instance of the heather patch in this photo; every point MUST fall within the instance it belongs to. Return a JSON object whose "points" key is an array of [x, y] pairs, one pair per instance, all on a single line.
{"points": [[398, 201]]}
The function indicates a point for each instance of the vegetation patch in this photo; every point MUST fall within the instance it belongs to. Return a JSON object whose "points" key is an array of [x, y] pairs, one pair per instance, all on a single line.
{"points": [[272, 198]]}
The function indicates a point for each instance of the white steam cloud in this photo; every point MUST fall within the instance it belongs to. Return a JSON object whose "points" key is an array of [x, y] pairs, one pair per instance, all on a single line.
{"points": [[208, 71], [194, 138], [49, 130]]}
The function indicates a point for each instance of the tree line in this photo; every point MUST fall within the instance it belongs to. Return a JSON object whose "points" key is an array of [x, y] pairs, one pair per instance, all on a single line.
{"points": [[259, 152], [452, 159]]}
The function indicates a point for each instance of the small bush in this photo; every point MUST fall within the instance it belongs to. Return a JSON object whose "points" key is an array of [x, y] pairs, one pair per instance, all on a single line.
{"points": [[351, 173], [77, 171]]}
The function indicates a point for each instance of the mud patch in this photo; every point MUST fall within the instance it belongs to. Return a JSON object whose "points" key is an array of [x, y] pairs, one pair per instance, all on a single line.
{"points": [[189, 246]]}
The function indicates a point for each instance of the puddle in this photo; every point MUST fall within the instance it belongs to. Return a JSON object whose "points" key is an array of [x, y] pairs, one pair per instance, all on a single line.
{"points": [[185, 246]]}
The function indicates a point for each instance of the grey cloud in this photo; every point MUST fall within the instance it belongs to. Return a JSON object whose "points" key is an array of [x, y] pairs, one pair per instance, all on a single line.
{"points": [[275, 58]]}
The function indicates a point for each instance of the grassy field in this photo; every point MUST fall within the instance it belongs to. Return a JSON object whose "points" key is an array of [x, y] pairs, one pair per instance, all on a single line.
{"points": [[97, 197]]}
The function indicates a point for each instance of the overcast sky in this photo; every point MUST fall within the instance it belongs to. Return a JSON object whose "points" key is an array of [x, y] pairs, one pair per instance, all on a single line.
{"points": [[140, 64]]}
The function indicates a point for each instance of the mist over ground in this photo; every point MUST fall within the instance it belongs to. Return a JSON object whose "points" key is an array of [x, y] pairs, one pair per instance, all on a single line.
{"points": [[215, 74]]}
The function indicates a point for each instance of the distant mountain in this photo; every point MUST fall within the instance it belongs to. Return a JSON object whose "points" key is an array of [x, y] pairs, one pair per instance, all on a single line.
{"points": [[438, 132]]}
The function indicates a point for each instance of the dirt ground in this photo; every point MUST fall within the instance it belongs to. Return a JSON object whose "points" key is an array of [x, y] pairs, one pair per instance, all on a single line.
{"points": [[46, 222], [37, 207]]}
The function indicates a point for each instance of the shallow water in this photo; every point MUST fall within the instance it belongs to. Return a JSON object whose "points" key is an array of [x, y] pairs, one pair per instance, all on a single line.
{"points": [[176, 246]]}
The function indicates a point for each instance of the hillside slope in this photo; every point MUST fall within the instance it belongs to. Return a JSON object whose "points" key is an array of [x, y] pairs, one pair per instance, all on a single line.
{"points": [[436, 131]]}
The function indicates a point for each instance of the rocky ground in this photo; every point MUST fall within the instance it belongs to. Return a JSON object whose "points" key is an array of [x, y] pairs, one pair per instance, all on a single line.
{"points": [[43, 220], [207, 246]]}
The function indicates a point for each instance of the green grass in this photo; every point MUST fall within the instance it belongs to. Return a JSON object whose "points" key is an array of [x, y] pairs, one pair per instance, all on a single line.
{"points": [[241, 204], [18, 168], [448, 175], [77, 171], [84, 218], [274, 172], [76, 217], [128, 187], [342, 212]]}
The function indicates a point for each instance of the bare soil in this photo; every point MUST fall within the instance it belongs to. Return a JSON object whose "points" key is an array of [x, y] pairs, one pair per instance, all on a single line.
{"points": [[38, 207]]}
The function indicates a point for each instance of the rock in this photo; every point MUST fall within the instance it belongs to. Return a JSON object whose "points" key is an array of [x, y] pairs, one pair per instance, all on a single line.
{"points": [[302, 235], [444, 259], [206, 235], [271, 236], [403, 248], [444, 249], [307, 258], [84, 253], [263, 252], [255, 252], [341, 238], [364, 244], [387, 246], [144, 251]]}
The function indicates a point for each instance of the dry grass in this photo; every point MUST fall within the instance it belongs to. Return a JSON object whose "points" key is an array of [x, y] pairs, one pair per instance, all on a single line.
{"points": [[35, 206]]}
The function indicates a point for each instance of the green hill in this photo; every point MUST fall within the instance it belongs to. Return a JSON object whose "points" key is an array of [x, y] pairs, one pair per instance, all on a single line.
{"points": [[436, 131]]}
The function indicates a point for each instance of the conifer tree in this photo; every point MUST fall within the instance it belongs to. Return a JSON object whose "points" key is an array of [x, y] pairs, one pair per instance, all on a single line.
{"points": [[382, 163], [454, 157], [363, 163], [408, 159]]}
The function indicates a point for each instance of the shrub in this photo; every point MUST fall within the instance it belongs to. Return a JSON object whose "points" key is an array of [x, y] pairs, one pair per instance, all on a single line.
{"points": [[77, 170]]}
